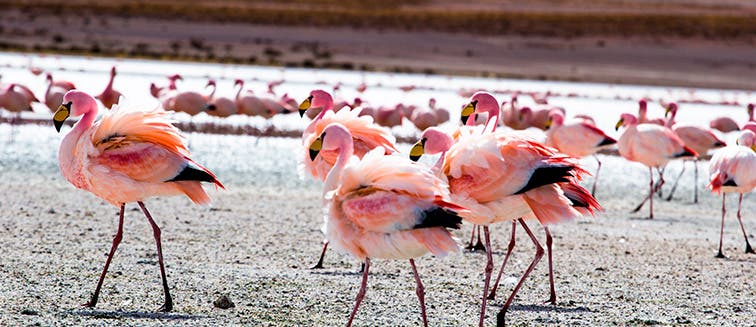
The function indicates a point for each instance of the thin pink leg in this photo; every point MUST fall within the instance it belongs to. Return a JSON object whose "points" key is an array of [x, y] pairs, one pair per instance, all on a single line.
{"points": [[471, 245], [748, 249], [510, 247], [479, 246], [595, 179], [116, 240], [168, 305], [420, 291], [319, 265], [651, 196], [500, 317], [361, 293], [488, 270], [721, 230], [549, 241]]}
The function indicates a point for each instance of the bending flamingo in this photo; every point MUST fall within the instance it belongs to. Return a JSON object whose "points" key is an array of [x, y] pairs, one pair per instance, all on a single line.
{"points": [[698, 138], [367, 136], [384, 207], [504, 177], [576, 139], [651, 145], [733, 170], [109, 95], [128, 156]]}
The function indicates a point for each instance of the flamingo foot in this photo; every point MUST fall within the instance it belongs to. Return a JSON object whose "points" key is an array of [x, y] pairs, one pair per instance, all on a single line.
{"points": [[491, 295], [478, 247], [319, 265], [501, 319], [720, 255], [749, 249], [166, 307], [90, 304], [551, 300]]}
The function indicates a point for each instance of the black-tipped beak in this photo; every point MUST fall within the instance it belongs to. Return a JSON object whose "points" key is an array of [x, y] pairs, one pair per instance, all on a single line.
{"points": [[315, 147], [61, 115], [468, 111], [618, 125], [304, 106], [464, 119], [417, 150], [313, 154]]}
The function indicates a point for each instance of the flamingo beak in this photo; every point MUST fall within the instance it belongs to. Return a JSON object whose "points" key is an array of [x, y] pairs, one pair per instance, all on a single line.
{"points": [[315, 147], [467, 112], [753, 147], [304, 106], [548, 124], [619, 124], [667, 111], [417, 150], [61, 115]]}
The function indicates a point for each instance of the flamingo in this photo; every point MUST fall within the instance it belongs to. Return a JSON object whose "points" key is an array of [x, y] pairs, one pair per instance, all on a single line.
{"points": [[128, 155], [15, 98], [576, 139], [700, 139], [750, 126], [643, 114], [219, 106], [733, 170], [651, 145], [367, 136], [109, 95], [384, 207], [55, 91], [390, 116], [246, 102], [505, 177]]}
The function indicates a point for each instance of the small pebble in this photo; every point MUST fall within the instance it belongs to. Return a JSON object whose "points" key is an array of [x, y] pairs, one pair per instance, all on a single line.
{"points": [[223, 302]]}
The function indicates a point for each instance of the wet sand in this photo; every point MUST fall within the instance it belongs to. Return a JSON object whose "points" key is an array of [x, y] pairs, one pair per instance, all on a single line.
{"points": [[259, 238]]}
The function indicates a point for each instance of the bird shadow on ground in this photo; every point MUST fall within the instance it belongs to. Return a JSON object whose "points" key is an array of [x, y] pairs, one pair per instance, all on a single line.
{"points": [[133, 315], [548, 308]]}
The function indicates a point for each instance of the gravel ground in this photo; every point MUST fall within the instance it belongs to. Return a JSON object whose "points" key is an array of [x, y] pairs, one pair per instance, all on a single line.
{"points": [[256, 242]]}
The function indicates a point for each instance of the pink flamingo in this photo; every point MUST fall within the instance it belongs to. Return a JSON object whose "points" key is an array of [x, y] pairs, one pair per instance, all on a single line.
{"points": [[643, 114], [727, 124], [55, 91], [384, 207], [16, 98], [109, 95], [504, 177], [128, 155], [651, 145], [219, 106], [246, 102], [750, 126], [733, 170], [367, 136], [576, 139], [390, 116], [700, 139]]}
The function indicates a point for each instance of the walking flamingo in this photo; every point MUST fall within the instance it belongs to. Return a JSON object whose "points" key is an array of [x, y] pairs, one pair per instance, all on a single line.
{"points": [[384, 207], [109, 95], [128, 155], [576, 139], [733, 170], [698, 138], [367, 136], [651, 145], [505, 177]]}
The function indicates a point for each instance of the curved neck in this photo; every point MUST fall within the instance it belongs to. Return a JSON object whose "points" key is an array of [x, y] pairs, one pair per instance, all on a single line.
{"points": [[493, 116], [346, 151], [238, 92], [671, 120], [212, 93], [65, 153], [49, 87], [110, 83], [439, 163]]}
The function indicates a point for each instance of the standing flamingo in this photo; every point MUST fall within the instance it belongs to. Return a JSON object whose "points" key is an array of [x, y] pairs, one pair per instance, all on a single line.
{"points": [[384, 207], [15, 98], [643, 114], [700, 139], [128, 155], [55, 92], [733, 170], [576, 139], [505, 177], [219, 106], [367, 136], [651, 145], [109, 95]]}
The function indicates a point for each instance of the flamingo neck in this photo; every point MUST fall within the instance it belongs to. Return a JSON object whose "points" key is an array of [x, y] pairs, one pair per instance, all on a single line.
{"points": [[346, 151], [439, 163], [212, 93], [49, 87], [238, 92], [493, 116], [66, 153], [671, 120], [109, 87]]}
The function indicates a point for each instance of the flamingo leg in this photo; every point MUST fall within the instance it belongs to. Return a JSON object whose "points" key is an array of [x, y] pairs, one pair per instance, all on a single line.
{"points": [[420, 291], [116, 240], [168, 305], [654, 189], [479, 246], [319, 265], [549, 241], [651, 195], [674, 186], [660, 182], [695, 180], [721, 230], [488, 270], [748, 248], [595, 179], [510, 247], [470, 245], [361, 293], [500, 317]]}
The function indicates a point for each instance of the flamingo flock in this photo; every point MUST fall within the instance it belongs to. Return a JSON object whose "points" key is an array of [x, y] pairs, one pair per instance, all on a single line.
{"points": [[379, 203]]}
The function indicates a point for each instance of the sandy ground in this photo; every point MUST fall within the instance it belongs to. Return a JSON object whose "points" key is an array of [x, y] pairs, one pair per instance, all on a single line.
{"points": [[256, 242], [654, 60]]}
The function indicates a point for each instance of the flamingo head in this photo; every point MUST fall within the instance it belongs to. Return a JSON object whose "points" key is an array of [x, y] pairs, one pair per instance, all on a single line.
{"points": [[332, 138], [210, 82], [642, 104], [750, 109], [317, 99], [75, 103], [113, 71], [556, 118], [747, 138], [480, 102], [175, 77], [48, 77], [625, 120], [432, 141], [671, 108], [524, 112]]}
